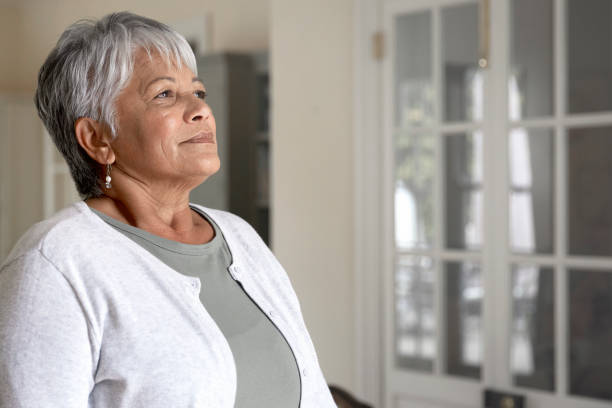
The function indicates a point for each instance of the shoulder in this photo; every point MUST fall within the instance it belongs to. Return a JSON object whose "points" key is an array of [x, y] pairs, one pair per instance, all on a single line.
{"points": [[52, 235], [30, 279]]}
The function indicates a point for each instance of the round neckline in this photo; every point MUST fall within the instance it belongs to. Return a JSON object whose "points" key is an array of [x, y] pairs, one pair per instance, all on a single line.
{"points": [[175, 277], [167, 244]]}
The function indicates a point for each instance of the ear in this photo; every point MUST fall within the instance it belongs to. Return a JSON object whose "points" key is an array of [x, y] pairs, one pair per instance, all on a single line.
{"points": [[95, 139]]}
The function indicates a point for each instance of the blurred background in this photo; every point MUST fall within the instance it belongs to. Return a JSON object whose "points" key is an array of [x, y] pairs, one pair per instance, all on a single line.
{"points": [[433, 175]]}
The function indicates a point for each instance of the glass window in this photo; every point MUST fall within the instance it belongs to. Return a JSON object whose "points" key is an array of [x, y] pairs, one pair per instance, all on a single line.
{"points": [[590, 333], [589, 56], [532, 191], [414, 169], [463, 190], [463, 82], [532, 345], [531, 74], [590, 191], [464, 293], [413, 74], [415, 319]]}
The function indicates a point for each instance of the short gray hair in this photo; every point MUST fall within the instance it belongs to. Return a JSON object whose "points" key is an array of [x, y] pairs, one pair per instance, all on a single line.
{"points": [[85, 72]]}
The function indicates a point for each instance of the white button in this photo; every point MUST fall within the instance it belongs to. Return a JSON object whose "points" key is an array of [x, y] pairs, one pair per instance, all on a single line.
{"points": [[236, 271], [194, 284], [304, 372], [270, 313]]}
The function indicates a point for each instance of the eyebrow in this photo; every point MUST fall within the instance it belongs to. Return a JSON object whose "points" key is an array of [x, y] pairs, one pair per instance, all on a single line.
{"points": [[164, 78], [171, 79]]}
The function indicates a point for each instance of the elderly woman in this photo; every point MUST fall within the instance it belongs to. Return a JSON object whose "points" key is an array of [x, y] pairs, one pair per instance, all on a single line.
{"points": [[134, 297]]}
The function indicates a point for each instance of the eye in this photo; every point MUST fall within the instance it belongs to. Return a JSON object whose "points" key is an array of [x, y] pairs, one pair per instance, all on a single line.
{"points": [[164, 94], [200, 94]]}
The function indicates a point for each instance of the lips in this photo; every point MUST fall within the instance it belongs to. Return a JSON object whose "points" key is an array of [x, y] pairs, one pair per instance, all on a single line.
{"points": [[202, 137]]}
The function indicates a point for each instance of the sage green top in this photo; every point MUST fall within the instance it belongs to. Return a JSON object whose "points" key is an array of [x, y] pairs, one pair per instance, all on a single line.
{"points": [[267, 373]]}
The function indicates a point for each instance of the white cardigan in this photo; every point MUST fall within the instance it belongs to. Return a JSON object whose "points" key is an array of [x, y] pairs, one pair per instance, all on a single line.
{"points": [[88, 318]]}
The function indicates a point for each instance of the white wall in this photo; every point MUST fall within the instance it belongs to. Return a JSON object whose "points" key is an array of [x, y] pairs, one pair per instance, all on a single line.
{"points": [[238, 25], [10, 28], [312, 184], [21, 169]]}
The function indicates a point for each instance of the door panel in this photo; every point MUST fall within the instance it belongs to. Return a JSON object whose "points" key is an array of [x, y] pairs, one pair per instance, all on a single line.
{"points": [[435, 94], [498, 254]]}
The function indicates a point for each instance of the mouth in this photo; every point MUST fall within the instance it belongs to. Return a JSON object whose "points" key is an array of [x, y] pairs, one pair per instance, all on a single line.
{"points": [[202, 137]]}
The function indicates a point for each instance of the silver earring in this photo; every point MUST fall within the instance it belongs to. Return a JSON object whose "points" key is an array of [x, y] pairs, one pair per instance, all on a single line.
{"points": [[108, 177]]}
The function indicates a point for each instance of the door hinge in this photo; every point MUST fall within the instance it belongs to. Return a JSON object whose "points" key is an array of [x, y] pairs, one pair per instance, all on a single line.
{"points": [[378, 45]]}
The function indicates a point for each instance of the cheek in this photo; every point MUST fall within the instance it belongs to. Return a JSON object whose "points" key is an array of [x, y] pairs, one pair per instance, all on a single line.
{"points": [[153, 122], [152, 136], [159, 131]]}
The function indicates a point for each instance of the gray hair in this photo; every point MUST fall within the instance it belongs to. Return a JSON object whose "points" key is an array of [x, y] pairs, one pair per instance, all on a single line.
{"points": [[85, 72]]}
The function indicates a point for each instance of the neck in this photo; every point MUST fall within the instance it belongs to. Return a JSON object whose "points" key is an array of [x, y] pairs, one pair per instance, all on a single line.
{"points": [[165, 214]]}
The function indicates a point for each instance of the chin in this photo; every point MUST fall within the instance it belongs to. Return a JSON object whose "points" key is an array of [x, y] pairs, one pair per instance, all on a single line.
{"points": [[209, 167]]}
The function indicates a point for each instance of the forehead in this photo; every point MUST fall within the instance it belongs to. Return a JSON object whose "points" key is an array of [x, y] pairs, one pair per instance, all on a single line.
{"points": [[149, 66]]}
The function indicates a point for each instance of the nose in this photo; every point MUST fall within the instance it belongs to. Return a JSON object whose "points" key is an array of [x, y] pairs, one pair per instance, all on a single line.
{"points": [[197, 110]]}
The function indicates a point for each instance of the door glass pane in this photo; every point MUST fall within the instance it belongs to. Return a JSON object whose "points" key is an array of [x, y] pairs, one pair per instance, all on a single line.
{"points": [[462, 78], [463, 190], [532, 190], [532, 347], [590, 333], [415, 319], [531, 74], [414, 161], [413, 79], [589, 55], [590, 191], [414, 150], [464, 294]]}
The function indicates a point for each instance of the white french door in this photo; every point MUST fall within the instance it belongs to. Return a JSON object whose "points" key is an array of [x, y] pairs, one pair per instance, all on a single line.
{"points": [[496, 211]]}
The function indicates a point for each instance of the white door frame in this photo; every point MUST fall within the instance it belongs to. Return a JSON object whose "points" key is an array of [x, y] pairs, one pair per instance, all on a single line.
{"points": [[367, 125], [371, 202]]}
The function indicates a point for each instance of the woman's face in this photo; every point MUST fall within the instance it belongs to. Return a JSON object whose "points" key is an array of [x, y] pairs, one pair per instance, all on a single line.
{"points": [[166, 132]]}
